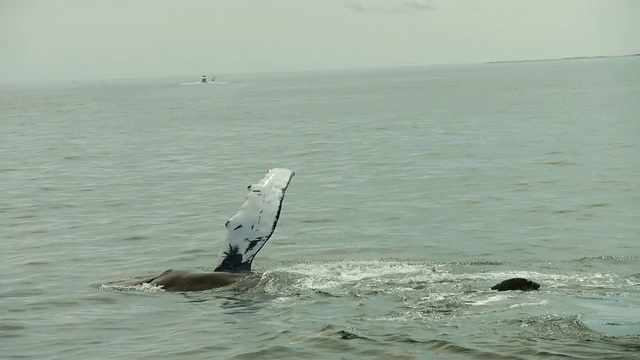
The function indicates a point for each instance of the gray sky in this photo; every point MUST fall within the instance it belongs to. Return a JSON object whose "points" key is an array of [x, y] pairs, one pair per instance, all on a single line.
{"points": [[89, 39]]}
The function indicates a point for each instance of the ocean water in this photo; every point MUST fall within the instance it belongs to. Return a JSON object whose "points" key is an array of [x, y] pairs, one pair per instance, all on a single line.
{"points": [[416, 189]]}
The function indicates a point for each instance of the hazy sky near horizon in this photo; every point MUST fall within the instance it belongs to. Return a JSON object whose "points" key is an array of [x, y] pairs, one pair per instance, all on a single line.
{"points": [[104, 39]]}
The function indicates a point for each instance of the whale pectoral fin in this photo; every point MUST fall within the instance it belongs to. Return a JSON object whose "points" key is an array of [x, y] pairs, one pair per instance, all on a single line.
{"points": [[255, 222]]}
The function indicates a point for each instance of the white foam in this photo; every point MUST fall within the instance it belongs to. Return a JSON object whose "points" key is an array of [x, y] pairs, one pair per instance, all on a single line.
{"points": [[539, 303], [338, 277], [492, 299], [330, 275], [402, 277], [142, 287]]}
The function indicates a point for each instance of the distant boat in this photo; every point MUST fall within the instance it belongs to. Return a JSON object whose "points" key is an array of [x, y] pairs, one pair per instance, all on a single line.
{"points": [[204, 79]]}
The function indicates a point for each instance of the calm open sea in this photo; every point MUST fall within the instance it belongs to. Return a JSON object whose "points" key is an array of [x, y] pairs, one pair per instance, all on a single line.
{"points": [[416, 190]]}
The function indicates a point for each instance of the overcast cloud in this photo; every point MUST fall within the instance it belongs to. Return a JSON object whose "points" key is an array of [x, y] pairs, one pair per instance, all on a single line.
{"points": [[393, 6], [83, 39]]}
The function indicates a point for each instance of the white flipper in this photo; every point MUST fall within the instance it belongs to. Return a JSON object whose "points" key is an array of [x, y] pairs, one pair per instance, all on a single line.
{"points": [[252, 226]]}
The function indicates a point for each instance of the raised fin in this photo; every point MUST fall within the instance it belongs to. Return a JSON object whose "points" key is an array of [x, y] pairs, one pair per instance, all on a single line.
{"points": [[255, 222]]}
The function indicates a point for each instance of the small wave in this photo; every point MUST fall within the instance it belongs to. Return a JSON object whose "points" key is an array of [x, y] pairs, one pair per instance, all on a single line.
{"points": [[318, 221], [607, 259], [539, 303], [560, 163], [343, 334], [492, 299], [554, 324], [135, 238], [597, 205]]}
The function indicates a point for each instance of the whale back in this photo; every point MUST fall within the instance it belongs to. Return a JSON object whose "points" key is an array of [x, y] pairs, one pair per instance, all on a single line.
{"points": [[255, 222], [516, 284]]}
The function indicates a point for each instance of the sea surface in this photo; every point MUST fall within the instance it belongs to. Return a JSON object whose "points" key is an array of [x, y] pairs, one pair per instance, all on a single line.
{"points": [[416, 189]]}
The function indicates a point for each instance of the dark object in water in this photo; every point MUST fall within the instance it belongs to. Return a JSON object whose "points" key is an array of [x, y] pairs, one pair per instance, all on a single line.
{"points": [[247, 232], [516, 284], [345, 335]]}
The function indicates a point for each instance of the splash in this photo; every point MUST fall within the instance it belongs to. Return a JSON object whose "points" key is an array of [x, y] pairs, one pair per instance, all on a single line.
{"points": [[142, 287]]}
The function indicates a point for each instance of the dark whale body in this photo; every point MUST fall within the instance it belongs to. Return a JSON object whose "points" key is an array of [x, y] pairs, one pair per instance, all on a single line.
{"points": [[185, 280], [247, 232], [516, 284]]}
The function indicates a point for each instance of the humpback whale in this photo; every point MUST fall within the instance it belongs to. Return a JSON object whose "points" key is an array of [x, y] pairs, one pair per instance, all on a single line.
{"points": [[516, 284], [247, 232]]}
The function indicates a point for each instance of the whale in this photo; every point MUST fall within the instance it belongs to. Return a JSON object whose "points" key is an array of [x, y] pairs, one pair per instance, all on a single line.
{"points": [[247, 233], [521, 284]]}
